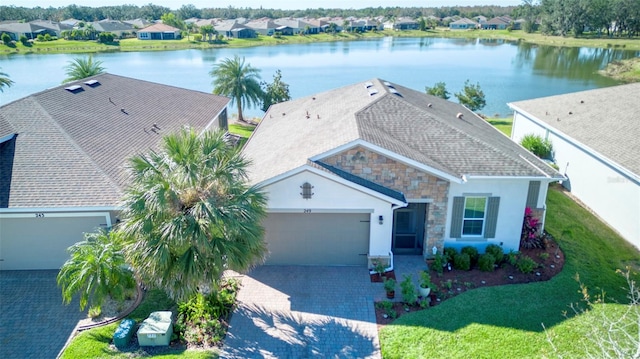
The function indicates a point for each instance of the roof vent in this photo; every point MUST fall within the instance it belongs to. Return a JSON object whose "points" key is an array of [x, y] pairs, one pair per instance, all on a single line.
{"points": [[74, 88], [395, 92], [388, 84], [459, 115], [429, 105], [92, 83], [368, 84], [372, 91]]}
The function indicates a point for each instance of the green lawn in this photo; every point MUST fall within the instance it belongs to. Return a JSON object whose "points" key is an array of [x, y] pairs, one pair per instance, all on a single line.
{"points": [[94, 343], [502, 124], [506, 322]]}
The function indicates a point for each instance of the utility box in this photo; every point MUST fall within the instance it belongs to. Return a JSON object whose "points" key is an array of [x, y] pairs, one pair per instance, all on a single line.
{"points": [[156, 330], [123, 333]]}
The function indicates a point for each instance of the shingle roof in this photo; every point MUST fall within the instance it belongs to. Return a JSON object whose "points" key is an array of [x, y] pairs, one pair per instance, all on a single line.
{"points": [[420, 127], [71, 147], [606, 120], [159, 27]]}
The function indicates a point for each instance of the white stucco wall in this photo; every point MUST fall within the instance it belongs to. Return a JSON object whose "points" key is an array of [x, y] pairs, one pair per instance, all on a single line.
{"points": [[612, 194], [331, 196], [513, 198]]}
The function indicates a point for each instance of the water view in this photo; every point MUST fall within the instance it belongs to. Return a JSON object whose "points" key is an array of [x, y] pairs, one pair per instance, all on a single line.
{"points": [[506, 71]]}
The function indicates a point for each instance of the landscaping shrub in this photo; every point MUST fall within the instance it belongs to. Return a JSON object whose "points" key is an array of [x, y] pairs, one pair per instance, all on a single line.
{"points": [[449, 253], [472, 252], [439, 262], [512, 258], [537, 145], [409, 293], [486, 262], [462, 261], [496, 251], [525, 264], [6, 39], [530, 237]]}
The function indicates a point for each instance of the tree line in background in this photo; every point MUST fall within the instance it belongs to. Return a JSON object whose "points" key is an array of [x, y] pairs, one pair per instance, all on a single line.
{"points": [[154, 12], [575, 17]]}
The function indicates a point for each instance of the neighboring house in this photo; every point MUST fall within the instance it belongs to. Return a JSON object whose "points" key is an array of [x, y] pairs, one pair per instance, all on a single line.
{"points": [[297, 26], [402, 23], [233, 29], [159, 32], [376, 168], [497, 23], [57, 27], [118, 28], [480, 19], [63, 153], [595, 141], [463, 24], [263, 26], [31, 31]]}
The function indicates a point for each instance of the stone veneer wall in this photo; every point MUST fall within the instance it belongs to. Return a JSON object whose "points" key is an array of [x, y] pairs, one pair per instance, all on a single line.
{"points": [[413, 183]]}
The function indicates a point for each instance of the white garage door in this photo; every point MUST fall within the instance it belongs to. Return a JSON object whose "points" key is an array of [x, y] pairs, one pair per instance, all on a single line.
{"points": [[317, 239], [42, 242]]}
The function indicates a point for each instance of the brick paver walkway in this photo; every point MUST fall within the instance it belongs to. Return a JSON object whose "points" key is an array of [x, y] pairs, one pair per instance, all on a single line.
{"points": [[305, 312], [33, 321]]}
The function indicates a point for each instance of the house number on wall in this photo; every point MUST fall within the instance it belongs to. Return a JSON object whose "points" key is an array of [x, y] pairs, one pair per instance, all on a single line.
{"points": [[39, 215], [306, 211]]}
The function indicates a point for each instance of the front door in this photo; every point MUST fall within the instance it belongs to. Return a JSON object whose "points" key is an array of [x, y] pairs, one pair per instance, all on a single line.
{"points": [[408, 228]]}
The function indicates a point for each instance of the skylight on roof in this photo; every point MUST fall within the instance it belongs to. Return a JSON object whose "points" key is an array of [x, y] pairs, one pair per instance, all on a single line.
{"points": [[74, 88], [395, 92], [92, 83]]}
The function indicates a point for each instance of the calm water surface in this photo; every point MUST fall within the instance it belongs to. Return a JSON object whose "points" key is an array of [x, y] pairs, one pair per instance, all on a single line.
{"points": [[506, 71]]}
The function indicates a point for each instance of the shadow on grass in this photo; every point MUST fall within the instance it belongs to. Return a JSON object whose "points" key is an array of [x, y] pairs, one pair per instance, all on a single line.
{"points": [[292, 335]]}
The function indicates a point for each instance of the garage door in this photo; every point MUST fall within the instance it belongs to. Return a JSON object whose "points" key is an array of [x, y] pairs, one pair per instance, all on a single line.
{"points": [[41, 243], [317, 239]]}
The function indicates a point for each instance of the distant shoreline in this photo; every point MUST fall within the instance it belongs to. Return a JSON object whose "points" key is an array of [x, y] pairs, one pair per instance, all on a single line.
{"points": [[133, 45]]}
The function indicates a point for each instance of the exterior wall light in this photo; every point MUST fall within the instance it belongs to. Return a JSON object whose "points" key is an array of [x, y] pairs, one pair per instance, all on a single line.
{"points": [[380, 219]]}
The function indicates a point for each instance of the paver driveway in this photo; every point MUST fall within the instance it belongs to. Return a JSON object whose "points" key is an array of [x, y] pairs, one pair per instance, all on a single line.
{"points": [[305, 312], [33, 321]]}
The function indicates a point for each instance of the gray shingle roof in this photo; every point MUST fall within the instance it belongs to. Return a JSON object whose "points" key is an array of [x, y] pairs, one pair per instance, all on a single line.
{"points": [[606, 120], [412, 124], [71, 148]]}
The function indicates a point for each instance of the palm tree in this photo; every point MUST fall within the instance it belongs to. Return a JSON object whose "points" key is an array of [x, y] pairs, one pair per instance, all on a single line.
{"points": [[239, 81], [96, 269], [189, 214], [5, 81], [80, 68]]}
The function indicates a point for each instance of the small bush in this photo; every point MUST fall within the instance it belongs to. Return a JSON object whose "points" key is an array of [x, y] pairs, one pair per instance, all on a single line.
{"points": [[544, 256], [496, 251], [439, 262], [197, 37], [526, 265], [462, 261], [472, 252], [537, 145], [449, 253], [6, 39], [387, 307], [409, 293], [512, 257], [486, 262], [24, 40]]}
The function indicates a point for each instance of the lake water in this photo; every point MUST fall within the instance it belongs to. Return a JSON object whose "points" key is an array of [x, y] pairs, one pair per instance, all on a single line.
{"points": [[506, 71]]}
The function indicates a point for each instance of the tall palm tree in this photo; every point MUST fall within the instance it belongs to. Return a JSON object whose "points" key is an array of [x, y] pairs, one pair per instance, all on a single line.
{"points": [[96, 269], [5, 81], [239, 81], [189, 214], [80, 68]]}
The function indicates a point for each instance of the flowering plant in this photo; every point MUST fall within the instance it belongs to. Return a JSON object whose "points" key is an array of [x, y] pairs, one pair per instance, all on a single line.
{"points": [[530, 237]]}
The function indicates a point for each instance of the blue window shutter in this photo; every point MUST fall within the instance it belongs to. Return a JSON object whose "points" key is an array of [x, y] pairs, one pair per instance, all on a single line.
{"points": [[492, 217], [456, 217], [532, 195]]}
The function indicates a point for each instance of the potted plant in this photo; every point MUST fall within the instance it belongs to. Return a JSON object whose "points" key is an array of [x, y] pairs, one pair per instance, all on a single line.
{"points": [[379, 268], [425, 284], [390, 287]]}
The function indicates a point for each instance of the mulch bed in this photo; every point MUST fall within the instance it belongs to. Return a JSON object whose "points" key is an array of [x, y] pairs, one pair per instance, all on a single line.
{"points": [[462, 281]]}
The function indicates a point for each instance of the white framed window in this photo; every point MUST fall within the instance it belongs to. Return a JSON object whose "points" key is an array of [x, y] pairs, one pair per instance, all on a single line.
{"points": [[473, 221]]}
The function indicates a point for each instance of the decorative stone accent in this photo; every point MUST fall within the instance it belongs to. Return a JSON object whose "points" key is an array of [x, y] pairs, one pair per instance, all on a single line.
{"points": [[415, 184]]}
